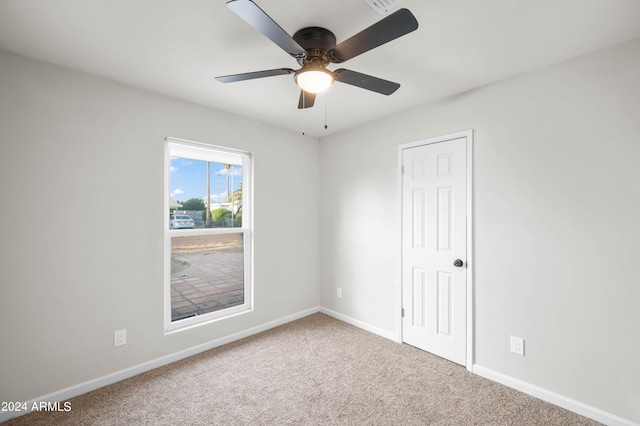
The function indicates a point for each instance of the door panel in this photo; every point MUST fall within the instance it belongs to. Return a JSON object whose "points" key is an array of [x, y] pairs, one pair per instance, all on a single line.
{"points": [[419, 197], [444, 307], [445, 219], [434, 197], [419, 309]]}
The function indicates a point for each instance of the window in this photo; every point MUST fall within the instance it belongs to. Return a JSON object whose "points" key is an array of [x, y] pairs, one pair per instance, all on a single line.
{"points": [[207, 233]]}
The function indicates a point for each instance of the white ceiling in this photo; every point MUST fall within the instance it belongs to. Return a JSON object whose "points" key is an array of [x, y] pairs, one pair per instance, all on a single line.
{"points": [[176, 48]]}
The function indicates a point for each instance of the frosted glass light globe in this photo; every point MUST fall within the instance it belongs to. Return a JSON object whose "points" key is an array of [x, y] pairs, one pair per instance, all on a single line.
{"points": [[314, 81]]}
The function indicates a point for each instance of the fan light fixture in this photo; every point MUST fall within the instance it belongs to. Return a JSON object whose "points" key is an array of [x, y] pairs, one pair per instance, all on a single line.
{"points": [[314, 48], [314, 79]]}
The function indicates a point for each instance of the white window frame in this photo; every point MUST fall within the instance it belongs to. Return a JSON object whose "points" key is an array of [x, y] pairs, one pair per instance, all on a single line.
{"points": [[204, 152]]}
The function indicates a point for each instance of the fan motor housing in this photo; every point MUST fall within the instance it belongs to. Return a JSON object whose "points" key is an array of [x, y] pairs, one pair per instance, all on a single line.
{"points": [[317, 41]]}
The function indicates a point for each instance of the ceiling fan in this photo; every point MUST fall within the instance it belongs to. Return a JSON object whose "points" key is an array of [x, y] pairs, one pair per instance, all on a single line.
{"points": [[314, 48]]}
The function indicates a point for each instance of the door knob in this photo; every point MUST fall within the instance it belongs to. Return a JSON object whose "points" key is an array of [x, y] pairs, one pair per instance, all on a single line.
{"points": [[458, 263]]}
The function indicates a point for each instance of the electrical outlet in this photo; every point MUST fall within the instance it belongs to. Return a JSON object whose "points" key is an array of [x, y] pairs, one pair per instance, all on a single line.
{"points": [[339, 292], [120, 337], [517, 345]]}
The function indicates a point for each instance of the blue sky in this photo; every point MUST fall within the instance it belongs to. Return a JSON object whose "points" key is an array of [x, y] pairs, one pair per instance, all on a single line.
{"points": [[189, 179]]}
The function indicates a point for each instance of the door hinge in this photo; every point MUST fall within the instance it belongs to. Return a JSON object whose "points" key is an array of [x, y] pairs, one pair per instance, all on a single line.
{"points": [[402, 312], [402, 170]]}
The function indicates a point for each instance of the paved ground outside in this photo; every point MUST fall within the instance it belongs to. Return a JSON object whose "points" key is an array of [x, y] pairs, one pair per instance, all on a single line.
{"points": [[207, 274]]}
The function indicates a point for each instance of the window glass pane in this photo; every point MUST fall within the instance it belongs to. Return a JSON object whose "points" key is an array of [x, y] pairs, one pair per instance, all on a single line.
{"points": [[208, 270], [198, 186], [207, 274]]}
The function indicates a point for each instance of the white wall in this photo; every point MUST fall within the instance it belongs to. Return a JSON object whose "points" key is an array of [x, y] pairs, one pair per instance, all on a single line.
{"points": [[77, 153], [557, 202], [557, 223]]}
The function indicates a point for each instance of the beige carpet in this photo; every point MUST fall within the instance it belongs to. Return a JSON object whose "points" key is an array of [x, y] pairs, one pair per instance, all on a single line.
{"points": [[314, 371]]}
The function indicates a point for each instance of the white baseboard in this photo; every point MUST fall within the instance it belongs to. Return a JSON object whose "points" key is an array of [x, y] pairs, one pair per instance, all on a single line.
{"points": [[553, 398], [362, 325], [79, 389], [535, 391]]}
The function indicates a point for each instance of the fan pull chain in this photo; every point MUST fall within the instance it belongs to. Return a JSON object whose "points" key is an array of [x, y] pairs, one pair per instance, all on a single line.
{"points": [[326, 102], [326, 109], [303, 99]]}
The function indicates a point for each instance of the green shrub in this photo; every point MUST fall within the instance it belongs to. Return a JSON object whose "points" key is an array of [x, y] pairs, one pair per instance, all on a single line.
{"points": [[219, 214]]}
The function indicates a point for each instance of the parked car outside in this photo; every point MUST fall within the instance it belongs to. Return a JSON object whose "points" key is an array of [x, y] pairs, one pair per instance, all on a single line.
{"points": [[180, 221]]}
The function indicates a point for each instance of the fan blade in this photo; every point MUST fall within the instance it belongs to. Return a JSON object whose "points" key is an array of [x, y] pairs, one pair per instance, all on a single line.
{"points": [[396, 25], [258, 19], [365, 81], [306, 99], [252, 75]]}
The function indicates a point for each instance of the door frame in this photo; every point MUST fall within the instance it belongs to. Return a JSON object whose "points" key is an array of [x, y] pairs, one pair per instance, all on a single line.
{"points": [[468, 134]]}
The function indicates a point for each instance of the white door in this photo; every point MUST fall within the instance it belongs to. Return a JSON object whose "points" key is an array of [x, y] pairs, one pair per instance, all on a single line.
{"points": [[434, 241]]}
